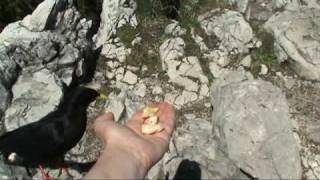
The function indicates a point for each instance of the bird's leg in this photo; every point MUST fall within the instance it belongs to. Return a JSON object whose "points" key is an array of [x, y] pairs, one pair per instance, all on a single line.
{"points": [[63, 167], [45, 175], [28, 171]]}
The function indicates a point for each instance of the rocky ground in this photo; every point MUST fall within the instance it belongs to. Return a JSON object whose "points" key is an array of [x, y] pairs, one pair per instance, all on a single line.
{"points": [[243, 76]]}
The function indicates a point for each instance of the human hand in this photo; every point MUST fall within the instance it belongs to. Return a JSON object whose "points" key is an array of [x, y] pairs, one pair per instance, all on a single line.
{"points": [[131, 145]]}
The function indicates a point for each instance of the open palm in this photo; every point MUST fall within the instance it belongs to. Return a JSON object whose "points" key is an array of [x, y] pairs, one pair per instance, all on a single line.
{"points": [[148, 148]]}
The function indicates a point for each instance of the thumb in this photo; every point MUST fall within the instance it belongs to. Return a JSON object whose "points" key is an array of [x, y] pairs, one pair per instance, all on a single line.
{"points": [[103, 124]]}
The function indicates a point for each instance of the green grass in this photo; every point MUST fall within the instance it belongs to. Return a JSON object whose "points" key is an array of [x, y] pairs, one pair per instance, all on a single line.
{"points": [[191, 9], [266, 57], [189, 13], [144, 7], [127, 33]]}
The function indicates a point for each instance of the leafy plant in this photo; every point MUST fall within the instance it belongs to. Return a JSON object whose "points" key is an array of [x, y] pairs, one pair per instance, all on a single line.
{"points": [[127, 33], [265, 56]]}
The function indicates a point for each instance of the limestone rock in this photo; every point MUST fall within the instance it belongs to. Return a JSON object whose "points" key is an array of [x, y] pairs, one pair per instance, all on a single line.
{"points": [[140, 89], [87, 149], [242, 5], [233, 32], [8, 68], [216, 70], [251, 124], [43, 15], [115, 50], [263, 69], [297, 40], [181, 72], [206, 159], [4, 99], [58, 50], [115, 104], [175, 30], [130, 78], [34, 96], [313, 132], [157, 90], [185, 98], [171, 49], [246, 62], [115, 13]]}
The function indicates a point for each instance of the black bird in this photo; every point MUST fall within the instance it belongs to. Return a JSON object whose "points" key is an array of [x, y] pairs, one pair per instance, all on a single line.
{"points": [[88, 67], [48, 139]]}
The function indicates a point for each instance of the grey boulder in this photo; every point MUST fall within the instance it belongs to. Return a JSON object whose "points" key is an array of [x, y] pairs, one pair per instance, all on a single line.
{"points": [[297, 39], [34, 96], [43, 15], [251, 125]]}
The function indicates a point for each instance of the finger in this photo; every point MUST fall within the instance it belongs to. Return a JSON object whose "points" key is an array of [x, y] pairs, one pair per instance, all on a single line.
{"points": [[106, 117], [104, 124], [167, 116]]}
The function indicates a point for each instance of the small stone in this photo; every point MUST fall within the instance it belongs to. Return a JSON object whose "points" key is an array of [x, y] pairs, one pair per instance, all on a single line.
{"points": [[216, 70], [190, 116], [246, 62], [223, 61], [207, 105], [109, 74], [279, 74], [170, 98], [171, 49], [185, 82], [119, 73], [157, 90], [113, 64], [264, 69], [258, 44], [115, 51], [140, 90], [133, 68], [175, 30], [185, 98], [136, 41], [115, 104], [130, 78], [144, 68]]}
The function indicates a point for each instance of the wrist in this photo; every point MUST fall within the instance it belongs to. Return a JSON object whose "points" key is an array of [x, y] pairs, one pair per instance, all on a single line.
{"points": [[128, 158], [119, 163]]}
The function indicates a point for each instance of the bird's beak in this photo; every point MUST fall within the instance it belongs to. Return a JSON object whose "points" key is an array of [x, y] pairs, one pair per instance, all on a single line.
{"points": [[102, 97]]}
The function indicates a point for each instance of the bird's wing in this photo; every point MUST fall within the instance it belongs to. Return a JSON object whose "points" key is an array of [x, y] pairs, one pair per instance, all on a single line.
{"points": [[35, 141]]}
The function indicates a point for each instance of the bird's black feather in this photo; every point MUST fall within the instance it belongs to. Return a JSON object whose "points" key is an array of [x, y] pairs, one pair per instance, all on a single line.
{"points": [[88, 67], [52, 136]]}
